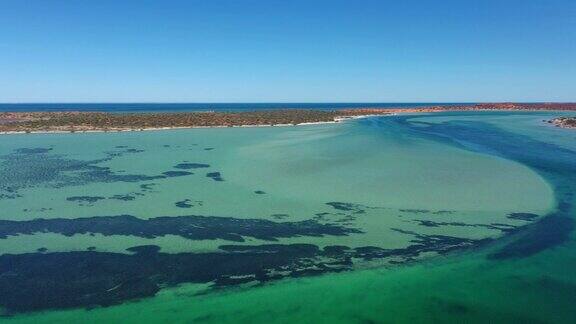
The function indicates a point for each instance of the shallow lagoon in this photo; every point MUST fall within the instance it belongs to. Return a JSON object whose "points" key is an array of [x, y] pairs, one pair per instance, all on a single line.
{"points": [[391, 183]]}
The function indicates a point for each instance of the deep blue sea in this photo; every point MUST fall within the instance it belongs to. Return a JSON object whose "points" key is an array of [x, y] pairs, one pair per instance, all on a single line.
{"points": [[185, 107]]}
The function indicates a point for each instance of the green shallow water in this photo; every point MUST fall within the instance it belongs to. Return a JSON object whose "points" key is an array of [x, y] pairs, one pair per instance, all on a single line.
{"points": [[398, 174]]}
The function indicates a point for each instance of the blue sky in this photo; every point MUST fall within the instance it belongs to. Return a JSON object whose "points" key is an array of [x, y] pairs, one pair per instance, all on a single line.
{"points": [[287, 51]]}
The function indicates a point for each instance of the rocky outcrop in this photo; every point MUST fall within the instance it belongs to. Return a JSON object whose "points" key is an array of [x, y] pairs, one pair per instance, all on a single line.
{"points": [[564, 122]]}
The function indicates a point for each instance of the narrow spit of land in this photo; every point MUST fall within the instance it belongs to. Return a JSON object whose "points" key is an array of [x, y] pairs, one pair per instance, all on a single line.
{"points": [[28, 122]]}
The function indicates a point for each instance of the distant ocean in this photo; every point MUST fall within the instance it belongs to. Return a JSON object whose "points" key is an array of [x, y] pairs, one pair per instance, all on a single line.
{"points": [[186, 107]]}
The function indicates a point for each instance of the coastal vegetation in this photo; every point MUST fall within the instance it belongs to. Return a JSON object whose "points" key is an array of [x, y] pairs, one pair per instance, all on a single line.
{"points": [[100, 121]]}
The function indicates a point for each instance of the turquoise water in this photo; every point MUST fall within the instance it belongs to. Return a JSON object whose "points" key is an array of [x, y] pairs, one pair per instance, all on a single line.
{"points": [[393, 219]]}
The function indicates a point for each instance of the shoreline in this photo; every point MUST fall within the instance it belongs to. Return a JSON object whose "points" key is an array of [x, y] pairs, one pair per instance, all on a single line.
{"points": [[172, 128], [14, 123], [336, 120]]}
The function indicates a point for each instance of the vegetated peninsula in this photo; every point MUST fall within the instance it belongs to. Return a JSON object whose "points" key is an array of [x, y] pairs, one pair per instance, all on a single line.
{"points": [[564, 122], [26, 122]]}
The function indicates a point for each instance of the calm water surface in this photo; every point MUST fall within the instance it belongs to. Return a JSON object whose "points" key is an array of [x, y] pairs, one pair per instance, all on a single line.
{"points": [[420, 218]]}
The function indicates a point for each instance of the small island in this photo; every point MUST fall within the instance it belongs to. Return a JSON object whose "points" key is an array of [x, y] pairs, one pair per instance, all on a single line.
{"points": [[564, 122], [46, 122]]}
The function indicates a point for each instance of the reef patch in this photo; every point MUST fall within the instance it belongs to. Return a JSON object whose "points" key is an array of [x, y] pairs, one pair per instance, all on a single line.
{"points": [[59, 280], [187, 166], [189, 227], [494, 226], [85, 200], [188, 203], [36, 150], [522, 216], [350, 207], [176, 173], [33, 167], [216, 176]]}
